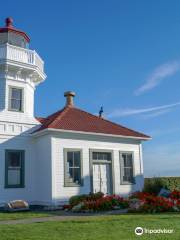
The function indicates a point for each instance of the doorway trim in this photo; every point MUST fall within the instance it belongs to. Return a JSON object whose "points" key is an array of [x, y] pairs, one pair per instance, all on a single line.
{"points": [[91, 162]]}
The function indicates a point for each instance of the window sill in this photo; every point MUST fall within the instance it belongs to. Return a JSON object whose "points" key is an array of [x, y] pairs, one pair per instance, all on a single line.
{"points": [[13, 110], [73, 185], [127, 183], [14, 186]]}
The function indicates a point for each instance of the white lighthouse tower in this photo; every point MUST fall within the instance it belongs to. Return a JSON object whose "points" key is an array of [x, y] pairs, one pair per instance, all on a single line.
{"points": [[21, 70]]}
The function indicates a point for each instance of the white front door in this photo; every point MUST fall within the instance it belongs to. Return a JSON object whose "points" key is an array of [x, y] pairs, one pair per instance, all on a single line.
{"points": [[101, 178]]}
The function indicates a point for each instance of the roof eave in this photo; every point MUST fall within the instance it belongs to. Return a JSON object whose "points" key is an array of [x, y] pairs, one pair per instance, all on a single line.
{"points": [[44, 131]]}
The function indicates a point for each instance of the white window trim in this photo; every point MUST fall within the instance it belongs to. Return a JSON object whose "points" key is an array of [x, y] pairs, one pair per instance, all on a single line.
{"points": [[9, 99], [122, 182], [66, 183]]}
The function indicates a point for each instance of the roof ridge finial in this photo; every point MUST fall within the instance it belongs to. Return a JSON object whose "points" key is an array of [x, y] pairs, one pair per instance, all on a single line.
{"points": [[9, 22], [101, 112]]}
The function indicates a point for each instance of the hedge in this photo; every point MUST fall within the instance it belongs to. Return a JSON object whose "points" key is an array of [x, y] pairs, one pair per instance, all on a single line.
{"points": [[153, 185]]}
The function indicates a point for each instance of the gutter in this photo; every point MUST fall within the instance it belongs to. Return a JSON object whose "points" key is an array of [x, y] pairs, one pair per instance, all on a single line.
{"points": [[49, 130]]}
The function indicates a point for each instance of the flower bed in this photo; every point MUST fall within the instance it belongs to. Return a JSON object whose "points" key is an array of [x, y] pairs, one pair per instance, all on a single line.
{"points": [[175, 195], [140, 195], [150, 203], [97, 202], [136, 202], [157, 204], [106, 203]]}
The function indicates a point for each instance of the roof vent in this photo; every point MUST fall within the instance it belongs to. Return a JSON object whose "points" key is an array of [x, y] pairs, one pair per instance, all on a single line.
{"points": [[69, 98]]}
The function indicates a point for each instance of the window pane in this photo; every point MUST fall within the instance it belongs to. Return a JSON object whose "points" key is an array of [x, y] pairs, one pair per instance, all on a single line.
{"points": [[76, 159], [107, 156], [74, 175], [70, 159], [77, 175], [124, 159], [128, 175], [127, 172], [16, 104], [70, 174], [14, 159], [16, 93], [102, 156], [129, 160], [95, 156], [14, 177]]}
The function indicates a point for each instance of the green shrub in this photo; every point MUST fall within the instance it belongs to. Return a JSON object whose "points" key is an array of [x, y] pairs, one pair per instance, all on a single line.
{"points": [[153, 185], [171, 183], [79, 198]]}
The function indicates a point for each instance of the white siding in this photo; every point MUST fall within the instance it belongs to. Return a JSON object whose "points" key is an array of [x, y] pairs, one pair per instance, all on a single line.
{"points": [[87, 142], [27, 193], [38, 177], [44, 165], [2, 93], [43, 170]]}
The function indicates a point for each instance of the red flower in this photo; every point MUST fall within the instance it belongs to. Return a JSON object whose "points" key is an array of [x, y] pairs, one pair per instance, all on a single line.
{"points": [[175, 194]]}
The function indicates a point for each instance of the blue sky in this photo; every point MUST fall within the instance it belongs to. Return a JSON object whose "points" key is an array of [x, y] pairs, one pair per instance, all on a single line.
{"points": [[124, 55]]}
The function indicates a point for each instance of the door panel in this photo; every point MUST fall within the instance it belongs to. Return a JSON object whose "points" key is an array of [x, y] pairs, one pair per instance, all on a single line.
{"points": [[102, 178]]}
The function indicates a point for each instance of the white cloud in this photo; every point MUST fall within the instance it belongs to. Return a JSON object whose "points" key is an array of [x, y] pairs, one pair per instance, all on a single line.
{"points": [[159, 74], [128, 111], [157, 113]]}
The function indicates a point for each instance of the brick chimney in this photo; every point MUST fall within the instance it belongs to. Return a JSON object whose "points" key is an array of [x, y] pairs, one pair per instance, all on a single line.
{"points": [[69, 98]]}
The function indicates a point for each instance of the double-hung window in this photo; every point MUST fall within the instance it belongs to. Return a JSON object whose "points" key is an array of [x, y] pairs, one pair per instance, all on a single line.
{"points": [[126, 165], [73, 167], [14, 168], [15, 99]]}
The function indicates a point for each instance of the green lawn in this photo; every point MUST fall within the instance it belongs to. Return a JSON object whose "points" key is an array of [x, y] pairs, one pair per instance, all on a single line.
{"points": [[95, 228], [22, 215]]}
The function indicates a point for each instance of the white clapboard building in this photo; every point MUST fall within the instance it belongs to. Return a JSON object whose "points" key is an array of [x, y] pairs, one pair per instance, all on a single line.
{"points": [[47, 160]]}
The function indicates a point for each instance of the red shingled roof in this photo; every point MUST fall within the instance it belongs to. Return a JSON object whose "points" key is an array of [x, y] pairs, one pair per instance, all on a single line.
{"points": [[71, 118], [41, 119]]}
